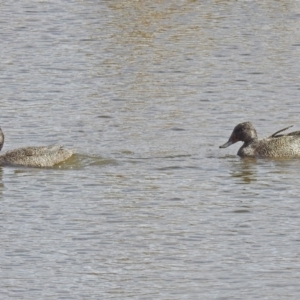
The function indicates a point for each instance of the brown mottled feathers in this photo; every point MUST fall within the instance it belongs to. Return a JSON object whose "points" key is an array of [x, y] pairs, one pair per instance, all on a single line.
{"points": [[275, 146], [43, 156]]}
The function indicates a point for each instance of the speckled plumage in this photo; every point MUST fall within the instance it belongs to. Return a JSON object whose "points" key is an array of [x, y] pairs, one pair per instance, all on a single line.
{"points": [[43, 156], [275, 146]]}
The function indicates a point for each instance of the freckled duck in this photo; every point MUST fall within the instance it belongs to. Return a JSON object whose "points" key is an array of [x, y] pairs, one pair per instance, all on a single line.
{"points": [[274, 146], [43, 156]]}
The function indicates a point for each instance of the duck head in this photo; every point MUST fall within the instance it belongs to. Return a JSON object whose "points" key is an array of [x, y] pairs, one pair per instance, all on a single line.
{"points": [[244, 132]]}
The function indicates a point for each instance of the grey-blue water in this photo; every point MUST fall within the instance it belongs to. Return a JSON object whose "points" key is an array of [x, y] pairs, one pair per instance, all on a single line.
{"points": [[149, 207]]}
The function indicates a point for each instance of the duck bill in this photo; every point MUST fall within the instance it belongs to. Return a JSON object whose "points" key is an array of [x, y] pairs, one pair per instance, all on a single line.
{"points": [[227, 144], [231, 141]]}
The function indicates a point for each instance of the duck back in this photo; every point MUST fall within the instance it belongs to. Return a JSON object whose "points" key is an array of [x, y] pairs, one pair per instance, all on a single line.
{"points": [[44, 156], [273, 147]]}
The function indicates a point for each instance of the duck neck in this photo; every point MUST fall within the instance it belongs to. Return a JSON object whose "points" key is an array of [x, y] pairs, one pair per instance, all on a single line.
{"points": [[250, 141], [1, 139]]}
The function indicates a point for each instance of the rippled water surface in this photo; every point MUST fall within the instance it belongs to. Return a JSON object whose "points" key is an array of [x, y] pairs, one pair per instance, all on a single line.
{"points": [[149, 207]]}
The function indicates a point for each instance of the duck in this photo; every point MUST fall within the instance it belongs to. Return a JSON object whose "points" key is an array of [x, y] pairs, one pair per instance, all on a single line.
{"points": [[41, 156], [275, 146]]}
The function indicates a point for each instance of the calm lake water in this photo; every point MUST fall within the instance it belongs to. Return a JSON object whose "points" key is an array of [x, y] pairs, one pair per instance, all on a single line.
{"points": [[149, 207]]}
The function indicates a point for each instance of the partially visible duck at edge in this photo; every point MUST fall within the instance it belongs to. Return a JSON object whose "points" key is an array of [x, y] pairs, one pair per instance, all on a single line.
{"points": [[43, 156], [275, 146]]}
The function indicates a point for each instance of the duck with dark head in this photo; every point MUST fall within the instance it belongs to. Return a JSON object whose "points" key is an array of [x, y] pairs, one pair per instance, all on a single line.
{"points": [[275, 146]]}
